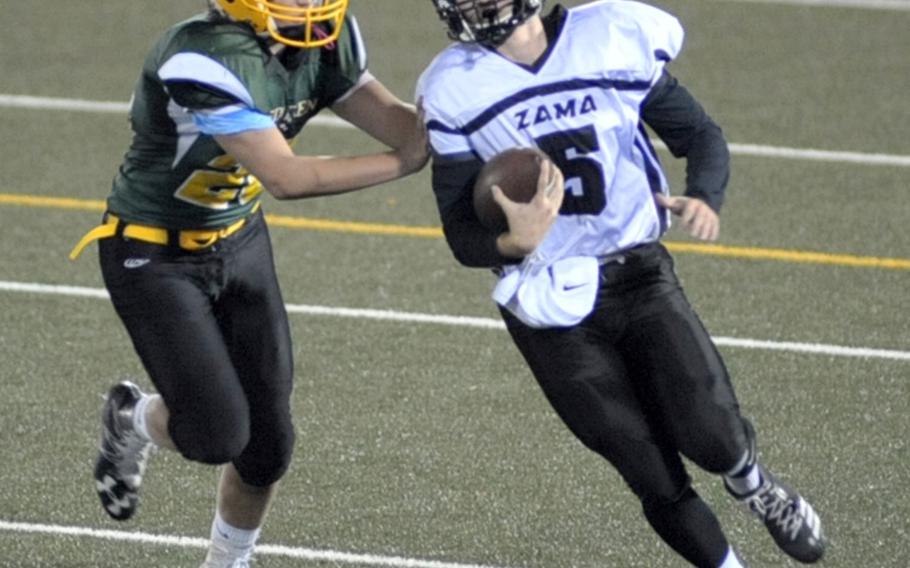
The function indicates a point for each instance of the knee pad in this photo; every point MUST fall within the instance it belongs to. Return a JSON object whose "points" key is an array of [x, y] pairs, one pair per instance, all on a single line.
{"points": [[267, 457], [653, 503], [729, 448], [215, 445]]}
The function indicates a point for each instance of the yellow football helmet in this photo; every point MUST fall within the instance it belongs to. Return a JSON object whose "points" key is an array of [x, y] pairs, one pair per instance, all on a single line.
{"points": [[306, 20]]}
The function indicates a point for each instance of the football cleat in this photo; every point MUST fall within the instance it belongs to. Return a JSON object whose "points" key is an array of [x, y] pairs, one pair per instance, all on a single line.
{"points": [[789, 518], [122, 453]]}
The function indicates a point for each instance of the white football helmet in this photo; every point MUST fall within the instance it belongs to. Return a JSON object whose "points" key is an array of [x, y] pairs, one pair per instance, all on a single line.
{"points": [[488, 22]]}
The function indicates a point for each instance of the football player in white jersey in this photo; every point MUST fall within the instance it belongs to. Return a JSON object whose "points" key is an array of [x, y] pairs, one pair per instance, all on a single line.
{"points": [[587, 292]]}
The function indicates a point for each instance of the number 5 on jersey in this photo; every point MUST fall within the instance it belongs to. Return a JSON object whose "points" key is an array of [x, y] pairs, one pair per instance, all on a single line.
{"points": [[585, 192]]}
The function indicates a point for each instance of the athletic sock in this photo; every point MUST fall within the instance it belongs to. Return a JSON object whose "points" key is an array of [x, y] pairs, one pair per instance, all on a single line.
{"points": [[232, 541], [731, 560], [140, 423], [745, 478]]}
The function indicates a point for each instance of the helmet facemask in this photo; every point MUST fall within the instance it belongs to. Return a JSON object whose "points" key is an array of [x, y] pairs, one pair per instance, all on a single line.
{"points": [[489, 22], [314, 25]]}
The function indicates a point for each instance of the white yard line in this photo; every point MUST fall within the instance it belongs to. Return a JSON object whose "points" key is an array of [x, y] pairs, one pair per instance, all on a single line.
{"points": [[81, 105], [300, 553], [892, 5], [112, 107], [483, 323]]}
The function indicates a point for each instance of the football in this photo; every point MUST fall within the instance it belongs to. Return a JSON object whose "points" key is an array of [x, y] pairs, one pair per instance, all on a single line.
{"points": [[515, 171]]}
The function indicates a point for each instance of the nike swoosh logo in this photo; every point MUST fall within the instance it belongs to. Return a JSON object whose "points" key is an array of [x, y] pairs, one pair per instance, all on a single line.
{"points": [[568, 288], [135, 262]]}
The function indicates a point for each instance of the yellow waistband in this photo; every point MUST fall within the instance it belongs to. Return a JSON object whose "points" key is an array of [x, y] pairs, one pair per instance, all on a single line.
{"points": [[188, 239]]}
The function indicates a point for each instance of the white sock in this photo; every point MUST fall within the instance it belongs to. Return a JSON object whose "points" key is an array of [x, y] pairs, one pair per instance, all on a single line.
{"points": [[140, 423], [743, 478], [744, 482], [731, 560], [230, 539]]}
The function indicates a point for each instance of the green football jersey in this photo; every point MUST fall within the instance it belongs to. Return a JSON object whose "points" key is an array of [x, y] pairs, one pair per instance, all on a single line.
{"points": [[175, 176]]}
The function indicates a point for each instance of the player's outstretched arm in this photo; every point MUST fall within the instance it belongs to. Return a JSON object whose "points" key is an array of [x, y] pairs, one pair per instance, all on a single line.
{"points": [[267, 155], [378, 112], [530, 222]]}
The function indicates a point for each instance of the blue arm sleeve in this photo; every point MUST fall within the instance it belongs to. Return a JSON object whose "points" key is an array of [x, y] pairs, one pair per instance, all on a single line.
{"points": [[232, 122]]}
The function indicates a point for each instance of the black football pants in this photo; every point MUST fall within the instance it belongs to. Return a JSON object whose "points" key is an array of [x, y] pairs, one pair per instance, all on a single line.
{"points": [[211, 330], [640, 382]]}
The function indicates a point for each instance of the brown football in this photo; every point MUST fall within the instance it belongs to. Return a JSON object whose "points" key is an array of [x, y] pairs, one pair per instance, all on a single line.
{"points": [[515, 171]]}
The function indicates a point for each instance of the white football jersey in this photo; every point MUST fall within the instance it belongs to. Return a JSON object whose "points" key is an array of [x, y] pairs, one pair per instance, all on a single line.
{"points": [[581, 106]]}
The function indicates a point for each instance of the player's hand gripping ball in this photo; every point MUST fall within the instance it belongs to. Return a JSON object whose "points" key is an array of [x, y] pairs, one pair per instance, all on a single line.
{"points": [[515, 171]]}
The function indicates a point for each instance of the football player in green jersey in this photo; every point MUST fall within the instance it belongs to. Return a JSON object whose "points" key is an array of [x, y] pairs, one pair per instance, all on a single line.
{"points": [[186, 255]]}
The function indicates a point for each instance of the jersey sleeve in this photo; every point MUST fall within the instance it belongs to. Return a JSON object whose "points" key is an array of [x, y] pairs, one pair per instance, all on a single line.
{"points": [[683, 125], [455, 167], [218, 102], [231, 120], [663, 32], [659, 34], [447, 140], [196, 81]]}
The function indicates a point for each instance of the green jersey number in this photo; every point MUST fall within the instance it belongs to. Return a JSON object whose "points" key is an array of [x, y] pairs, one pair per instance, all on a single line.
{"points": [[224, 183]]}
